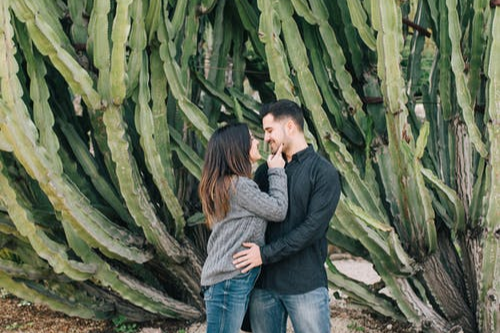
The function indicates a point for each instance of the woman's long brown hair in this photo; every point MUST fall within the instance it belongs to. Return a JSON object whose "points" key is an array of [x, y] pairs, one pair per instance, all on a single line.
{"points": [[227, 155]]}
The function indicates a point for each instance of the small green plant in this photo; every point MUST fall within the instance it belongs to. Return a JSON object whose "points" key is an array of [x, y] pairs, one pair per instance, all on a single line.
{"points": [[353, 326], [122, 326], [181, 331]]}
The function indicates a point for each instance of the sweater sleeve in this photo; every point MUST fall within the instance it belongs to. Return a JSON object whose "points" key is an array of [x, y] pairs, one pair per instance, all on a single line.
{"points": [[270, 206], [322, 204]]}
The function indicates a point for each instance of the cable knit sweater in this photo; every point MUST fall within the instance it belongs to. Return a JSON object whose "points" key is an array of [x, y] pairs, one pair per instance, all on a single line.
{"points": [[245, 222]]}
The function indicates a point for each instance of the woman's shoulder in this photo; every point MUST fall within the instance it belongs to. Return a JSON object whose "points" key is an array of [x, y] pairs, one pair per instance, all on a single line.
{"points": [[243, 185], [242, 181]]}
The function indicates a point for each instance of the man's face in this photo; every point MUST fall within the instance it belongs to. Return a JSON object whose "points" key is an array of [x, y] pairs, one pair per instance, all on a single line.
{"points": [[274, 132]]}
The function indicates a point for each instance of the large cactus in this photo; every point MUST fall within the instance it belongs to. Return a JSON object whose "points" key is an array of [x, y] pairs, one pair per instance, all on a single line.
{"points": [[105, 108]]}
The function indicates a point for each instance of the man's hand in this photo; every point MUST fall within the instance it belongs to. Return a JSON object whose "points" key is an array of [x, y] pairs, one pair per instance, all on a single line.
{"points": [[248, 259]]}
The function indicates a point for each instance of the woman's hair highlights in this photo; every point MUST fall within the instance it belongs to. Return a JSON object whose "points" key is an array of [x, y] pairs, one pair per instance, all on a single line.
{"points": [[227, 155]]}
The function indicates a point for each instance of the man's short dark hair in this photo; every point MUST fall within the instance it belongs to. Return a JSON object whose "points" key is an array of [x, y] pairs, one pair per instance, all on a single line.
{"points": [[284, 108]]}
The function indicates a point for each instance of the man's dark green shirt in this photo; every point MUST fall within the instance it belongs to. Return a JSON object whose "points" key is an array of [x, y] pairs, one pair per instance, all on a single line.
{"points": [[296, 249]]}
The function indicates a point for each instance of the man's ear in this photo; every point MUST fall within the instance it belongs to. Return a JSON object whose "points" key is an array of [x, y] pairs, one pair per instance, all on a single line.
{"points": [[290, 126]]}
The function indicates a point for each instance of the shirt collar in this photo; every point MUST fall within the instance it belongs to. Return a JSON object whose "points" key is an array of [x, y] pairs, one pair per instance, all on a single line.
{"points": [[302, 155]]}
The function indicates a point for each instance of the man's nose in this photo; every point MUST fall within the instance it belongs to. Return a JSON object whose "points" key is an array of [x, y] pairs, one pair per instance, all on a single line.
{"points": [[267, 137]]}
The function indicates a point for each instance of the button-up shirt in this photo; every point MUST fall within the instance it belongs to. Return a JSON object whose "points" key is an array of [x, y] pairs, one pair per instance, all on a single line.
{"points": [[296, 249]]}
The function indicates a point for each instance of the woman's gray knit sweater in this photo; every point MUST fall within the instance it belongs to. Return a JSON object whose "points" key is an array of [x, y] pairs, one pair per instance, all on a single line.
{"points": [[245, 222]]}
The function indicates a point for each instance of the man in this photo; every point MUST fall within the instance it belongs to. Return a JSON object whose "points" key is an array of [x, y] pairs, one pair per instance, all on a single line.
{"points": [[293, 280]]}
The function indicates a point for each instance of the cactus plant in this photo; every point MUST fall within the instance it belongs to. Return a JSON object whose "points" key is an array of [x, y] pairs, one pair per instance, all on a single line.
{"points": [[106, 107]]}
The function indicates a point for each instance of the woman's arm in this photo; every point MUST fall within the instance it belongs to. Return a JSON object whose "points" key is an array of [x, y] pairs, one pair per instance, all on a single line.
{"points": [[270, 206]]}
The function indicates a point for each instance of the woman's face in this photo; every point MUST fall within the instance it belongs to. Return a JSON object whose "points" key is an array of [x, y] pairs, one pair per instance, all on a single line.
{"points": [[254, 149]]}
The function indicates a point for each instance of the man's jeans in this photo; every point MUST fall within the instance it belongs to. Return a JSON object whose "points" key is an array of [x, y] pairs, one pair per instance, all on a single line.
{"points": [[227, 301], [309, 312]]}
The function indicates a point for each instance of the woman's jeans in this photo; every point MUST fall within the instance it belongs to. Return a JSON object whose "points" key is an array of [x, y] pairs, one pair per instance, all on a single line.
{"points": [[227, 301], [309, 312]]}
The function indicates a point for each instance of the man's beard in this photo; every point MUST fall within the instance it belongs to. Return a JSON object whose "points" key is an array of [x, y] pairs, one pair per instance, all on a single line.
{"points": [[274, 147]]}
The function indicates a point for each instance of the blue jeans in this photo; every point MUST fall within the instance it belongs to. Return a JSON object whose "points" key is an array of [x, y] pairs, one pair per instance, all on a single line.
{"points": [[309, 312], [227, 301]]}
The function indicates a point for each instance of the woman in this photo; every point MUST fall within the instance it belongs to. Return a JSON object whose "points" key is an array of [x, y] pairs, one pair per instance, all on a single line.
{"points": [[236, 211]]}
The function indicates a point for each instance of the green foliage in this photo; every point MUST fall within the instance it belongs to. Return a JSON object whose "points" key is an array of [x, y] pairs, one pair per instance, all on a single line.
{"points": [[355, 327], [121, 325], [106, 106]]}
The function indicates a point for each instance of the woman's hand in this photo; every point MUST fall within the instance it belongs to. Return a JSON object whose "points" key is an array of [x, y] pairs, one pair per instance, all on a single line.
{"points": [[276, 160]]}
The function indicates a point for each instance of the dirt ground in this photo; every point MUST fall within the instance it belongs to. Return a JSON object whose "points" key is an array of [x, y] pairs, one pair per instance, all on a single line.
{"points": [[21, 316], [17, 316]]}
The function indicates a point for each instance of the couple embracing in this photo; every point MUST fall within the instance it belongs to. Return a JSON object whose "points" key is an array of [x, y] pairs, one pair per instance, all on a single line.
{"points": [[268, 244]]}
